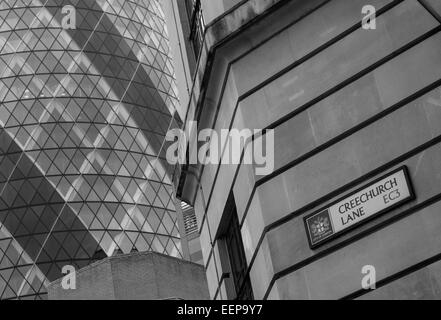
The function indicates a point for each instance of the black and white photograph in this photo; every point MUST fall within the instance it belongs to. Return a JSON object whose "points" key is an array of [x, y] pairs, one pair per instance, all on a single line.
{"points": [[218, 156]]}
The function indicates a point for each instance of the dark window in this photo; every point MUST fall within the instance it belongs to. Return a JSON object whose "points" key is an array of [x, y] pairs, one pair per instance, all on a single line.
{"points": [[236, 254], [197, 25]]}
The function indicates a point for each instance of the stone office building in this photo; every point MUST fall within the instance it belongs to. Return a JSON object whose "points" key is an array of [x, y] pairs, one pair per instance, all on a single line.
{"points": [[349, 106]]}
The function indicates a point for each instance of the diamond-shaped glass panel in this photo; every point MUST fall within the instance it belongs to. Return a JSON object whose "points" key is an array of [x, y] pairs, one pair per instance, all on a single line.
{"points": [[83, 115]]}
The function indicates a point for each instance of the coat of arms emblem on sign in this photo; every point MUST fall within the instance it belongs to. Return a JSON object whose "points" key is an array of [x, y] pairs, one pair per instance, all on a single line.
{"points": [[320, 226]]}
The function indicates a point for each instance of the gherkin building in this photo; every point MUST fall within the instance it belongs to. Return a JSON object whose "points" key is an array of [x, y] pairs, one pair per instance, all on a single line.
{"points": [[87, 94]]}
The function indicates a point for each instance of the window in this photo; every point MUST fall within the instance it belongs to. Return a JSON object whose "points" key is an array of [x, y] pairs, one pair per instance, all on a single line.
{"points": [[197, 25], [233, 244]]}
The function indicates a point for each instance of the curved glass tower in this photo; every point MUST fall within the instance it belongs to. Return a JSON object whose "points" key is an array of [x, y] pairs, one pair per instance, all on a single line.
{"points": [[87, 94]]}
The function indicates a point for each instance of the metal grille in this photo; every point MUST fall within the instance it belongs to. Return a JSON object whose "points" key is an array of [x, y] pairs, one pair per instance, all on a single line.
{"points": [[190, 221]]}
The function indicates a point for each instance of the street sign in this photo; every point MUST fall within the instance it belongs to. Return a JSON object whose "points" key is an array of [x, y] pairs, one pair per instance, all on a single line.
{"points": [[380, 196]]}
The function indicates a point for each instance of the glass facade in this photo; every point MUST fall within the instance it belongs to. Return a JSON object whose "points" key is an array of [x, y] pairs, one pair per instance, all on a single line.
{"points": [[83, 116]]}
